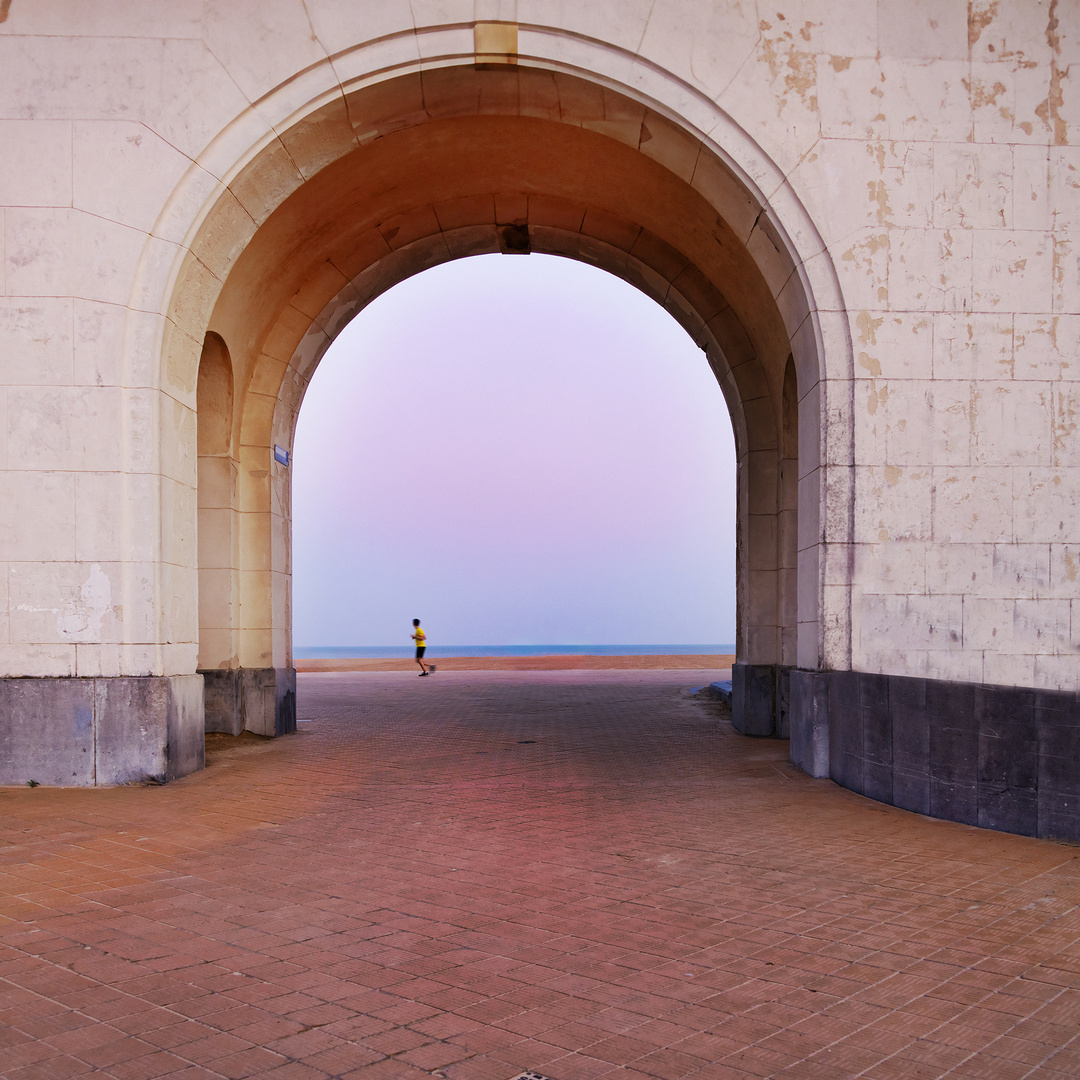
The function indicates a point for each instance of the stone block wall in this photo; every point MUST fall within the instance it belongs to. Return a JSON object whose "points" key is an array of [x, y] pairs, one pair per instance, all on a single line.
{"points": [[903, 176]]}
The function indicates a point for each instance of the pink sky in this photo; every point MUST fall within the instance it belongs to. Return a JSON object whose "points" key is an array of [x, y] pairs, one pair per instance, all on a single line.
{"points": [[517, 450]]}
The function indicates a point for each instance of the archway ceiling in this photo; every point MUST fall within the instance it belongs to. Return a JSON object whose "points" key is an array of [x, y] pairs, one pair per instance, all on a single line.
{"points": [[487, 170]]}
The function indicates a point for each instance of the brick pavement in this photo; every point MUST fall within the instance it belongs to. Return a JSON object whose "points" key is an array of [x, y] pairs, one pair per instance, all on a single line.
{"points": [[583, 873]]}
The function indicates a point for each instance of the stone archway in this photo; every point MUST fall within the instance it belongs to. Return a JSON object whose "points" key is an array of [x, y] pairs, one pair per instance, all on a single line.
{"points": [[367, 189], [786, 186]]}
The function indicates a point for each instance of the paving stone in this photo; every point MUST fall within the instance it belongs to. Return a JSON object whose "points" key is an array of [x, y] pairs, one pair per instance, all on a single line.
{"points": [[584, 873]]}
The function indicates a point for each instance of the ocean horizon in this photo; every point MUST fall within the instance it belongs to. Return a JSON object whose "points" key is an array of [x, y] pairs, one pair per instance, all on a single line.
{"points": [[393, 652]]}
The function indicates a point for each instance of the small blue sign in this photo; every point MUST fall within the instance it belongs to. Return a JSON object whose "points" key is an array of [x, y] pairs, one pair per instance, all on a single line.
{"points": [[281, 455]]}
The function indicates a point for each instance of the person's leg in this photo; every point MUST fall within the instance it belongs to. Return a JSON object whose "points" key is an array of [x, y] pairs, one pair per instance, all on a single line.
{"points": [[420, 659]]}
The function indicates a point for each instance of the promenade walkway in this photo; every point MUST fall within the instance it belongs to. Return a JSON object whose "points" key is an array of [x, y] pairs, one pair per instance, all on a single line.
{"points": [[585, 874]]}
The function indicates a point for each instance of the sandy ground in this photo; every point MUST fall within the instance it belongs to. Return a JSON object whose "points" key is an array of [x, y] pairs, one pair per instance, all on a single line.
{"points": [[707, 661]]}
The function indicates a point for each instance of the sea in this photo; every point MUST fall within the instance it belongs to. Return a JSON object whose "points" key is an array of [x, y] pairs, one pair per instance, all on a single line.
{"points": [[392, 652]]}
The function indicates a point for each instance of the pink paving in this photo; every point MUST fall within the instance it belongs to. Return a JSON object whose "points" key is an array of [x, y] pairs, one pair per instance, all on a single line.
{"points": [[586, 874]]}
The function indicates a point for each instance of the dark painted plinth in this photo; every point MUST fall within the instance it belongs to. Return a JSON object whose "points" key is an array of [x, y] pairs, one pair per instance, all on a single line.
{"points": [[270, 698], [810, 721], [760, 699], [262, 700], [224, 701], [1001, 757], [87, 732]]}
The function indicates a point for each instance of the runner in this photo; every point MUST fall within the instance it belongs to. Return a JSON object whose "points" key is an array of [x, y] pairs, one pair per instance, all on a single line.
{"points": [[420, 638]]}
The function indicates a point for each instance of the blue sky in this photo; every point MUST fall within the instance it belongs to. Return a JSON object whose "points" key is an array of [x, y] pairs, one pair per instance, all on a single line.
{"points": [[518, 450]]}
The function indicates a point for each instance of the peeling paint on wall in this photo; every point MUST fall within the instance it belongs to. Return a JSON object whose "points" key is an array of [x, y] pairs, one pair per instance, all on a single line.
{"points": [[85, 614]]}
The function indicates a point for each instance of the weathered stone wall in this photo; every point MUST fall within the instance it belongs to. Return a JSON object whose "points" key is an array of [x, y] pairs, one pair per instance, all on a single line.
{"points": [[911, 159]]}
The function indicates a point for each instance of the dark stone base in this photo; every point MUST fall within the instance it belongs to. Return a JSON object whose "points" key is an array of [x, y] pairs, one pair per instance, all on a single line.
{"points": [[90, 732], [760, 699], [1000, 757], [224, 700], [810, 721], [262, 700]]}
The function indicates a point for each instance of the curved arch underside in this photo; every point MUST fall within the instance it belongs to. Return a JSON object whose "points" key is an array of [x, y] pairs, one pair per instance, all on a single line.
{"points": [[368, 190]]}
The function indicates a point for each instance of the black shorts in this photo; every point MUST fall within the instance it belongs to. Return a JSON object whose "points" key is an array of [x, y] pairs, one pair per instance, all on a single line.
{"points": [[420, 650]]}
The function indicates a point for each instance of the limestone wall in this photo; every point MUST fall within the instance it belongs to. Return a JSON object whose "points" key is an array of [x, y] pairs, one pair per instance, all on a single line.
{"points": [[927, 142]]}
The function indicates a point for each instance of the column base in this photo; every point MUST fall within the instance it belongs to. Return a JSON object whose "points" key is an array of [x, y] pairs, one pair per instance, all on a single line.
{"points": [[97, 732], [810, 721], [260, 700], [760, 700]]}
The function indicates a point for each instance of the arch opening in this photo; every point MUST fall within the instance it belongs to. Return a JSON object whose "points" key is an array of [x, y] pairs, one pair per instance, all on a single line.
{"points": [[525, 451], [365, 191]]}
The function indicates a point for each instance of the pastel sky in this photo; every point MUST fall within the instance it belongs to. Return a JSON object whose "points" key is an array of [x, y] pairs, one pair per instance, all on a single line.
{"points": [[518, 450]]}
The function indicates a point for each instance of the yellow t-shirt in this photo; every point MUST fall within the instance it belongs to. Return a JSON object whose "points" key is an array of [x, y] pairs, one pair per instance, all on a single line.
{"points": [[419, 636]]}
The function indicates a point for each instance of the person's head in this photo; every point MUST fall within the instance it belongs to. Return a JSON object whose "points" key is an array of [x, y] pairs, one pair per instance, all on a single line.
{"points": [[416, 622]]}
